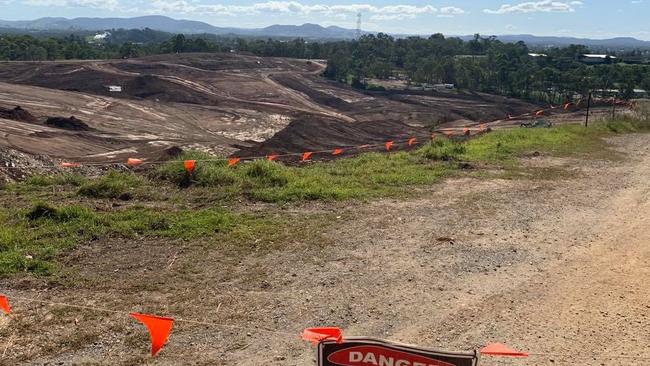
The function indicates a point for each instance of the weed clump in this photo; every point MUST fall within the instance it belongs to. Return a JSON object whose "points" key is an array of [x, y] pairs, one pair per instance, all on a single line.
{"points": [[42, 211], [113, 185], [442, 149], [208, 173], [267, 174], [56, 180]]}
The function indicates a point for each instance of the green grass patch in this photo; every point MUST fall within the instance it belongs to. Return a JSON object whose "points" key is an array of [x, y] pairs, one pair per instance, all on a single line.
{"points": [[56, 180], [31, 239], [379, 174], [112, 185], [442, 149], [504, 145], [40, 181], [365, 176]]}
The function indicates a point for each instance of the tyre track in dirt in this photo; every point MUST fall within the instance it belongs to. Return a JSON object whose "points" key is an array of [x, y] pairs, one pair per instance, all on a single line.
{"points": [[594, 305], [556, 267]]}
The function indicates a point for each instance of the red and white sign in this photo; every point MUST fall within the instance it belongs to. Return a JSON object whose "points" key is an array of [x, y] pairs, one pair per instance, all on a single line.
{"points": [[377, 355], [373, 352]]}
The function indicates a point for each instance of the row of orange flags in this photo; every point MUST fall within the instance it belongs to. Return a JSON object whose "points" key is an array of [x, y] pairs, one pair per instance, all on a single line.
{"points": [[189, 165]]}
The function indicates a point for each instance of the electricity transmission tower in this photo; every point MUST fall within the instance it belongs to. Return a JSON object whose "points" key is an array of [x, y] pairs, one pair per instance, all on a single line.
{"points": [[359, 25]]}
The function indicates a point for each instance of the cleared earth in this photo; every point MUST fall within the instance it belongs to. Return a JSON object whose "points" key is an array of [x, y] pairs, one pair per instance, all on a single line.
{"points": [[219, 103]]}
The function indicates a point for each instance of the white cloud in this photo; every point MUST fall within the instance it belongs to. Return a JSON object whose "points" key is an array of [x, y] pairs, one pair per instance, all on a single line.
{"points": [[451, 10], [388, 12], [546, 6], [95, 4]]}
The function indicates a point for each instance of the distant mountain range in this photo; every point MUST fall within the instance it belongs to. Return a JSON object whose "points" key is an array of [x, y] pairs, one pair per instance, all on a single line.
{"points": [[308, 31], [540, 41], [166, 24]]}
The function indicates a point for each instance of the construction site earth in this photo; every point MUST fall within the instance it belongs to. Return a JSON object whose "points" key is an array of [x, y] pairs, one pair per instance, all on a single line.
{"points": [[154, 107]]}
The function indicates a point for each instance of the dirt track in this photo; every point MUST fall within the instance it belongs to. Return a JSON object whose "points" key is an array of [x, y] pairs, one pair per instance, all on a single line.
{"points": [[554, 264]]}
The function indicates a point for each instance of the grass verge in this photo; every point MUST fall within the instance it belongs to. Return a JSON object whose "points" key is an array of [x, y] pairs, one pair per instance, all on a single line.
{"points": [[368, 175]]}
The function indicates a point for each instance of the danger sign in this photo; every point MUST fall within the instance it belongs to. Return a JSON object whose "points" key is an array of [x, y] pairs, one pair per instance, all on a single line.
{"points": [[372, 352]]}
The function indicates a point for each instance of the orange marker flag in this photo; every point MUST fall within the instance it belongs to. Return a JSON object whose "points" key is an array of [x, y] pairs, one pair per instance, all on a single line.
{"points": [[189, 165], [233, 161], [271, 157], [4, 304], [539, 113], [317, 335], [389, 145], [337, 152], [158, 327], [64, 164], [567, 106], [306, 155], [134, 162], [498, 349], [411, 141]]}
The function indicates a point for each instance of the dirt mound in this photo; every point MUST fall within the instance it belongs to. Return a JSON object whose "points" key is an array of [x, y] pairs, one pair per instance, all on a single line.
{"points": [[72, 123], [228, 61], [153, 87], [17, 114], [307, 133], [170, 153], [316, 95]]}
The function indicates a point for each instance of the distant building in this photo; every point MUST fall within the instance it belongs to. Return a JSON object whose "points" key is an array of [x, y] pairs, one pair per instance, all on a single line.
{"points": [[594, 59], [114, 88], [99, 38], [443, 86], [537, 55]]}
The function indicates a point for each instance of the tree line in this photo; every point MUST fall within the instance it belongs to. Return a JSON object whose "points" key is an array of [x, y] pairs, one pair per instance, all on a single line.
{"points": [[482, 64]]}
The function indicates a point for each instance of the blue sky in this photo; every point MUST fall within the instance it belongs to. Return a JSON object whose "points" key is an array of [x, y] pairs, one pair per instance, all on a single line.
{"points": [[586, 18]]}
